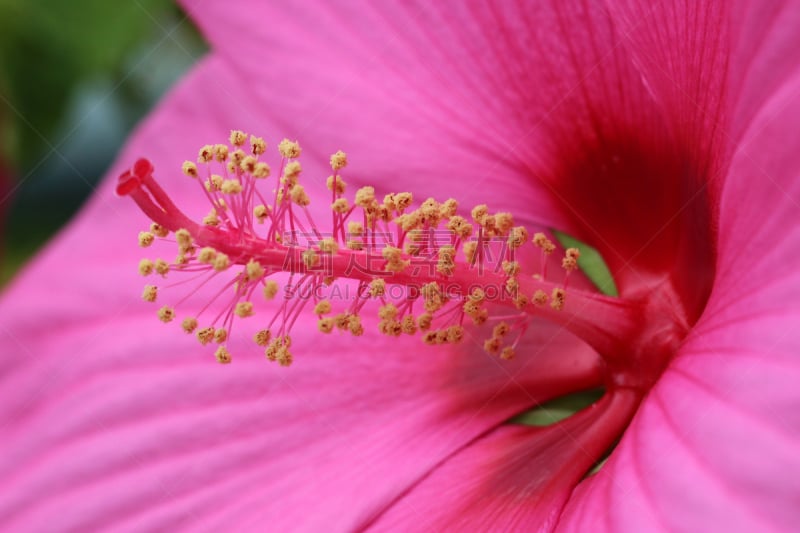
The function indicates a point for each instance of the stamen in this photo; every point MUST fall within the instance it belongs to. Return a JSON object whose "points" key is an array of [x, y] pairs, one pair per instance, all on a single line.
{"points": [[429, 258]]}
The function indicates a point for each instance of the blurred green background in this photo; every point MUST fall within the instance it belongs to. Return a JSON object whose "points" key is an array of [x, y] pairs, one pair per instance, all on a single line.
{"points": [[75, 77]]}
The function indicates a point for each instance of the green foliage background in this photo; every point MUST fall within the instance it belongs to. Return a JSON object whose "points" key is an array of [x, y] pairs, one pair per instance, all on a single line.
{"points": [[75, 77]]}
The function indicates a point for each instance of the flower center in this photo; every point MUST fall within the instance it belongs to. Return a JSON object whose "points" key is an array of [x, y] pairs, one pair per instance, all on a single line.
{"points": [[428, 270]]}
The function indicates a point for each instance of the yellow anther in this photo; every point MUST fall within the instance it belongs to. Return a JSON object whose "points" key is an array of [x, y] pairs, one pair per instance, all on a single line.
{"points": [[557, 299], [340, 184], [181, 260], [479, 213], [387, 312], [261, 212], [328, 246], [189, 169], [388, 202], [310, 258], [365, 196], [540, 240], [222, 355], [377, 287], [289, 149], [214, 183], [355, 327], [158, 230], [270, 289], [470, 249], [448, 208], [342, 320], [390, 253], [341, 206], [520, 301], [205, 335], [284, 357], [323, 307], [511, 268], [480, 317], [261, 171], [445, 265], [221, 262], [432, 294], [539, 297], [471, 308], [206, 255], [278, 350], [455, 334], [409, 325], [220, 335], [401, 201], [325, 325], [503, 222], [517, 237], [166, 314], [338, 160], [232, 186], [238, 137], [501, 330], [189, 324], [150, 293], [211, 218], [394, 261], [459, 226], [355, 229], [244, 309], [477, 295], [221, 152], [512, 285], [146, 239], [184, 239], [409, 221], [291, 172], [162, 267], [206, 154], [145, 267], [237, 156], [430, 337], [262, 337], [390, 327], [430, 212], [492, 346], [570, 261], [424, 321], [257, 145], [299, 196], [507, 353], [248, 164], [254, 270]]}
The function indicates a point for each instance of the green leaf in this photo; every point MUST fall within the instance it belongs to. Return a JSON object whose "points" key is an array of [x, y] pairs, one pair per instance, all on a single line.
{"points": [[558, 409], [591, 263]]}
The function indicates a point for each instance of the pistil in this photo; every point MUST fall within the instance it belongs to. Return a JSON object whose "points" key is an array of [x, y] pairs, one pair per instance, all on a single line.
{"points": [[429, 270]]}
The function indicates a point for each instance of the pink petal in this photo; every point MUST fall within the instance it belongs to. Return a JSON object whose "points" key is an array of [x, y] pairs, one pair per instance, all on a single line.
{"points": [[551, 104], [513, 479], [716, 445], [112, 420]]}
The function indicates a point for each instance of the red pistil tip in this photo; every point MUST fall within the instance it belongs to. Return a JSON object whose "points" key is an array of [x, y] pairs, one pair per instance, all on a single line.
{"points": [[425, 271]]}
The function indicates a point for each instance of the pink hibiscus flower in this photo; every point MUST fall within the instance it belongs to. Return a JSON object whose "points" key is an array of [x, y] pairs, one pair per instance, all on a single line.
{"points": [[662, 134]]}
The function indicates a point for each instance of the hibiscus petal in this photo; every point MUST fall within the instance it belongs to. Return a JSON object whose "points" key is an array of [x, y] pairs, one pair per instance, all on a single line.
{"points": [[495, 97], [513, 479], [716, 444], [113, 420]]}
